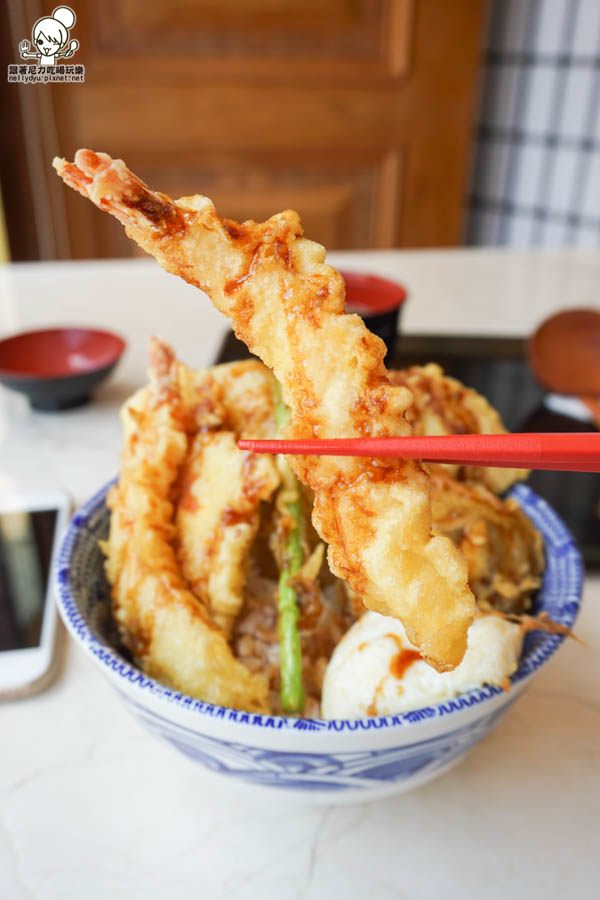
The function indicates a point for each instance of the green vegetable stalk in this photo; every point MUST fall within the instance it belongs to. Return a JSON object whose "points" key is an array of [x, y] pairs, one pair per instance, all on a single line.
{"points": [[290, 650]]}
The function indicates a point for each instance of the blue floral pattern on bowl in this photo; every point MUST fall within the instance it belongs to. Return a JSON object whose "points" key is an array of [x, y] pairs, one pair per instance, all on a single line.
{"points": [[319, 771], [388, 752]]}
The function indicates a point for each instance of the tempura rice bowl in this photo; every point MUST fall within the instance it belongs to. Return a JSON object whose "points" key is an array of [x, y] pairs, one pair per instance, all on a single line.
{"points": [[321, 761]]}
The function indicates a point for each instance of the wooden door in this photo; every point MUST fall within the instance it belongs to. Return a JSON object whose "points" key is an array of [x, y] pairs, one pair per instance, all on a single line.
{"points": [[357, 113]]}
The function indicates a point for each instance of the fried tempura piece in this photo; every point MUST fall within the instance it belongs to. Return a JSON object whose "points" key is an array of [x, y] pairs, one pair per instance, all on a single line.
{"points": [[221, 488], [502, 547], [248, 398], [235, 396], [287, 305], [443, 405], [159, 618], [217, 519]]}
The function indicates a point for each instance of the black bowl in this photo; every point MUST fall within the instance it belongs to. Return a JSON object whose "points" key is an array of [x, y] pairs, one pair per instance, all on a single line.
{"points": [[58, 368]]}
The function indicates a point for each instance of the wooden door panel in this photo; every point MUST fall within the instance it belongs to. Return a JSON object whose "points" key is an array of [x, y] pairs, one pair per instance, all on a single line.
{"points": [[340, 204], [368, 37], [357, 113]]}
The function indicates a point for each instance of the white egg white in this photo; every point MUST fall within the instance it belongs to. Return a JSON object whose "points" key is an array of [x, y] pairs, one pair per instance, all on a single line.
{"points": [[365, 674]]}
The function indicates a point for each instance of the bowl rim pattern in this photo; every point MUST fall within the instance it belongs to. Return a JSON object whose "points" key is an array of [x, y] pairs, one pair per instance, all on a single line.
{"points": [[565, 559]]}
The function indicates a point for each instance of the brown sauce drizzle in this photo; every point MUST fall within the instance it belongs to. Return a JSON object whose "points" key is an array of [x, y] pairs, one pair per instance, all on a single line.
{"points": [[282, 251], [188, 502], [161, 213], [403, 661], [233, 229], [399, 664], [233, 516], [234, 283], [372, 708]]}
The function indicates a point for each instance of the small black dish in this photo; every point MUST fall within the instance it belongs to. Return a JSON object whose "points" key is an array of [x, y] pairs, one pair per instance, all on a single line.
{"points": [[58, 368]]}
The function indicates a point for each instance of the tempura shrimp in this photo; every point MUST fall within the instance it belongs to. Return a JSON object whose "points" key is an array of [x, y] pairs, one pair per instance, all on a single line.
{"points": [[221, 489], [287, 305], [165, 626]]}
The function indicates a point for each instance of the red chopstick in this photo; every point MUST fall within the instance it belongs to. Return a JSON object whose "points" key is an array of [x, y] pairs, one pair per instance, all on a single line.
{"points": [[578, 452]]}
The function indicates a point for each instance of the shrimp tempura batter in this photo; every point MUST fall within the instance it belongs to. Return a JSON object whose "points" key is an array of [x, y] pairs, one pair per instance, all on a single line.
{"points": [[443, 405], [218, 512], [287, 305], [168, 629]]}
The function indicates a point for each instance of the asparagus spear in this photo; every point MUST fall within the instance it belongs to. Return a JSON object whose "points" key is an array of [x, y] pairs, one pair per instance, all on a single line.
{"points": [[290, 650]]}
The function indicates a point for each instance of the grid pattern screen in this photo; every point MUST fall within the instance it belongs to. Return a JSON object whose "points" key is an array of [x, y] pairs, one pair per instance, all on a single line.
{"points": [[536, 177]]}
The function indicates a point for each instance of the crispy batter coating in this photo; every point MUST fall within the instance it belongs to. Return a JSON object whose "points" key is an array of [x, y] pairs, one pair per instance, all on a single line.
{"points": [[221, 489], [502, 547], [287, 305], [443, 405], [166, 627], [247, 391], [217, 519]]}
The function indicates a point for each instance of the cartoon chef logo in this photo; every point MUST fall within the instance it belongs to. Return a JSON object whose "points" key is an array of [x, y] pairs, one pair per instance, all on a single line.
{"points": [[50, 36]]}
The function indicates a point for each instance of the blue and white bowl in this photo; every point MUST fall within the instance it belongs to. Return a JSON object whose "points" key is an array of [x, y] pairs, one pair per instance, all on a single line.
{"points": [[324, 761]]}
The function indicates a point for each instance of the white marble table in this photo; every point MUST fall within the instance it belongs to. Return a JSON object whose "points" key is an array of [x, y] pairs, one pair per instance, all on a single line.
{"points": [[92, 807]]}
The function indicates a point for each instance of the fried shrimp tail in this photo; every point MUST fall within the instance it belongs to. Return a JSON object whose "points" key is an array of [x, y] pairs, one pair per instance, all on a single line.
{"points": [[161, 621], [287, 305]]}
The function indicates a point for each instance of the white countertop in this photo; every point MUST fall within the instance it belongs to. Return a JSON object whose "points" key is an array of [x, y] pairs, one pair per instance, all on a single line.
{"points": [[93, 807]]}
